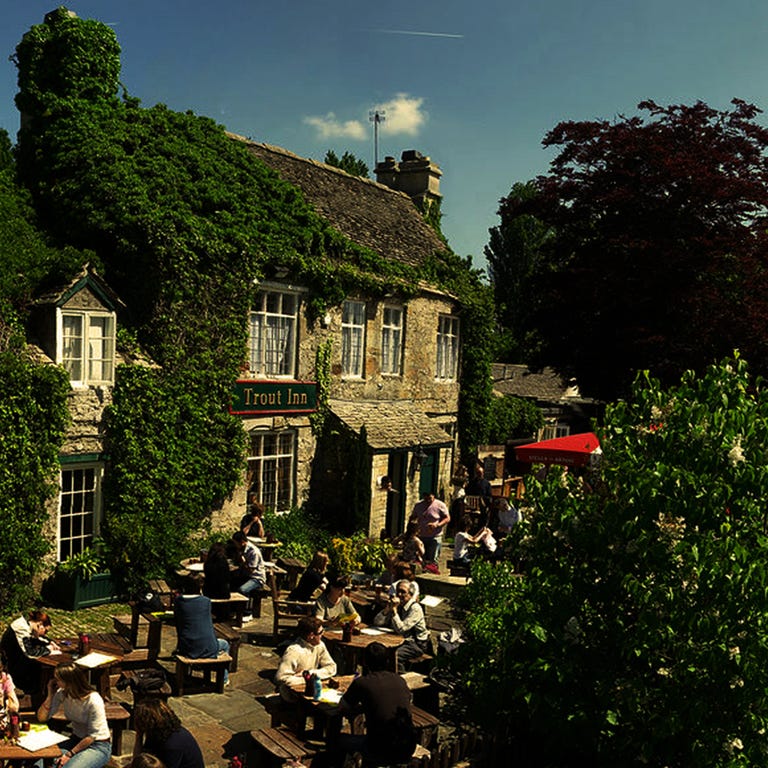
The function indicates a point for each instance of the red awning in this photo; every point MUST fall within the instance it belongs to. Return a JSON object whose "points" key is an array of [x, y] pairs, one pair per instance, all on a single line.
{"points": [[570, 451]]}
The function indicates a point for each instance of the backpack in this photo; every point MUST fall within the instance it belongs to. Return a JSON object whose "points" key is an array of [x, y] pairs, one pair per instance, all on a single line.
{"points": [[142, 680], [149, 602]]}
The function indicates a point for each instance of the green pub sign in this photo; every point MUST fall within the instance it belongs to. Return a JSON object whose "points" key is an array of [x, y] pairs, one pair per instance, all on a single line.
{"points": [[259, 397]]}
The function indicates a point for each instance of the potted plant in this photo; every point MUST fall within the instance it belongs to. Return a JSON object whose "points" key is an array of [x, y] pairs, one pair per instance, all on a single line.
{"points": [[82, 580]]}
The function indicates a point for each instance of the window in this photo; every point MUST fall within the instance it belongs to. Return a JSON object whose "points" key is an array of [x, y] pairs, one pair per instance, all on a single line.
{"points": [[553, 429], [447, 347], [270, 468], [391, 340], [352, 339], [79, 507], [87, 349], [273, 323]]}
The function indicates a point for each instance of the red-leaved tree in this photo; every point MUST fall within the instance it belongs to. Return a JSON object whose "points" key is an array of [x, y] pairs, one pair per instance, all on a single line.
{"points": [[659, 253]]}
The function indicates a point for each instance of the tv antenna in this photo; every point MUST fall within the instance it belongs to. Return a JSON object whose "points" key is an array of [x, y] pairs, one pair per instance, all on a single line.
{"points": [[376, 116]]}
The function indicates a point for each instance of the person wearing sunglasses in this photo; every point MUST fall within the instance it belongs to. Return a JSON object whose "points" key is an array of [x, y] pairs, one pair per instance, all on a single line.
{"points": [[306, 653], [404, 615]]}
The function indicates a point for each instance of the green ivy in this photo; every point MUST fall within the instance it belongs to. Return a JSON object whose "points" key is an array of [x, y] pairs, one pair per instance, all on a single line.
{"points": [[185, 220]]}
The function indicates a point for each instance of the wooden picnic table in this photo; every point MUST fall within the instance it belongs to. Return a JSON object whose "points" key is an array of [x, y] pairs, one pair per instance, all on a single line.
{"points": [[15, 755], [99, 674], [354, 647]]}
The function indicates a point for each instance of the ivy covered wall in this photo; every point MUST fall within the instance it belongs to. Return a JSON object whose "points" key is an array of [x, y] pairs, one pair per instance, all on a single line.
{"points": [[184, 221]]}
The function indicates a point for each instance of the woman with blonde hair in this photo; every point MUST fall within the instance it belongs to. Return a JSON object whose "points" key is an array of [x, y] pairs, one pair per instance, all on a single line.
{"points": [[160, 732], [90, 746]]}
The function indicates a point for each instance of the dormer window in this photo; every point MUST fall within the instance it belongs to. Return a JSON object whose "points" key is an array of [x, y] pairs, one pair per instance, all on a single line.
{"points": [[86, 345]]}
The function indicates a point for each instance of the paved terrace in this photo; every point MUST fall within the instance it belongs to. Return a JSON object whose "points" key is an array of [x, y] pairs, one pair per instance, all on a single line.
{"points": [[221, 723]]}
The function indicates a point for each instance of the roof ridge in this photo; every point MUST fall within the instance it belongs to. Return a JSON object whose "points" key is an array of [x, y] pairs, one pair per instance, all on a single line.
{"points": [[310, 161]]}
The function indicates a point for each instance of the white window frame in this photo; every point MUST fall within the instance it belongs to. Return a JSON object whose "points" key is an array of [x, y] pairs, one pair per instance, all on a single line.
{"points": [[271, 474], [391, 340], [81, 502], [83, 352], [352, 339], [554, 429], [273, 324], [447, 363]]}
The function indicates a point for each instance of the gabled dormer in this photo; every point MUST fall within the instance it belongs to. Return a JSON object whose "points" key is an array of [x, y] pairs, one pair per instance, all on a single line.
{"points": [[75, 325]]}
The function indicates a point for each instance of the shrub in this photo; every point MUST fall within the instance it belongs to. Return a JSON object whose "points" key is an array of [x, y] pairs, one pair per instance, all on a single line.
{"points": [[637, 635]]}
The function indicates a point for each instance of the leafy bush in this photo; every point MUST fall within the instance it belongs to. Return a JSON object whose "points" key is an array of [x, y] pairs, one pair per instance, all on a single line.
{"points": [[299, 531], [511, 417], [85, 564], [637, 634], [358, 553]]}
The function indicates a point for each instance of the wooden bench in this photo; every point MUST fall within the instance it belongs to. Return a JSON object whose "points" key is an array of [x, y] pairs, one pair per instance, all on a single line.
{"points": [[128, 627], [457, 568], [232, 636], [237, 603], [419, 759], [281, 744], [185, 666], [117, 718], [426, 724], [419, 663], [293, 568]]}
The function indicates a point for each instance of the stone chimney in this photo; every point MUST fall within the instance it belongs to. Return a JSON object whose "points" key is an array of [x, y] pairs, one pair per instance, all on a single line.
{"points": [[415, 174]]}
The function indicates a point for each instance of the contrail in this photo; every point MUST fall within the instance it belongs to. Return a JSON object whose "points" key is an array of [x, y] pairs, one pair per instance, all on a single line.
{"points": [[422, 34]]}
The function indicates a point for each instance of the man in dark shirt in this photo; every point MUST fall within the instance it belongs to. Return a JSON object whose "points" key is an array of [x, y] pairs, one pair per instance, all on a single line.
{"points": [[383, 697], [479, 486]]}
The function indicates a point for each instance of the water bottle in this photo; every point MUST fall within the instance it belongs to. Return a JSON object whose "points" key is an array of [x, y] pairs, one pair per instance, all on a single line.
{"points": [[318, 688], [346, 632], [309, 689]]}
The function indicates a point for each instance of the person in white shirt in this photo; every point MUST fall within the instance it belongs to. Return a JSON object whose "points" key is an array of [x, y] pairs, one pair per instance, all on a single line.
{"points": [[306, 654], [90, 746]]}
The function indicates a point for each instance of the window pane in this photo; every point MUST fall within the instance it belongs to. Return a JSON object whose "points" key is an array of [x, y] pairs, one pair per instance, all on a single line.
{"points": [[79, 505], [72, 346], [352, 338], [272, 343], [270, 469]]}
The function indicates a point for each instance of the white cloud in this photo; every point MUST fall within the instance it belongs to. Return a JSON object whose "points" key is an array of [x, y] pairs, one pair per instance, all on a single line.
{"points": [[329, 127], [403, 115]]}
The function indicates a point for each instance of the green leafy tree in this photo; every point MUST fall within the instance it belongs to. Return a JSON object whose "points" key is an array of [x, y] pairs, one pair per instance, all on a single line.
{"points": [[348, 162], [512, 417], [33, 397], [637, 633], [515, 262]]}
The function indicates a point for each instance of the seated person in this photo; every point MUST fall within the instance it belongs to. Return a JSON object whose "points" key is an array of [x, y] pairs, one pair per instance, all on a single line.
{"points": [[333, 607], [249, 558], [413, 547], [160, 732], [509, 516], [9, 703], [405, 616], [90, 745], [462, 540], [252, 523], [216, 570], [23, 641], [312, 580], [487, 541], [383, 697], [195, 636], [387, 577], [306, 654]]}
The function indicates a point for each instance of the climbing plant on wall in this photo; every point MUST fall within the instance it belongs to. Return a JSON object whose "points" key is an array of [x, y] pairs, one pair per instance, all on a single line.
{"points": [[185, 220]]}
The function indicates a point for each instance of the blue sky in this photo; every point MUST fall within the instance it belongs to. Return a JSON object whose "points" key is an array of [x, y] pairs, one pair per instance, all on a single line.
{"points": [[476, 94]]}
